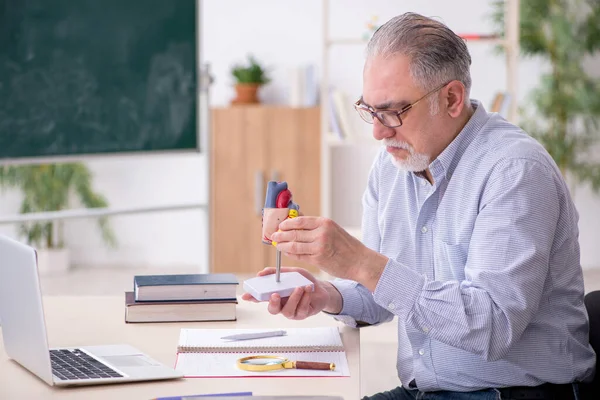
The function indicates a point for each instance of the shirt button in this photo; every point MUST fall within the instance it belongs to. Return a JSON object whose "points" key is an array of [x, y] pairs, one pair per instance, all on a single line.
{"points": [[424, 229], [421, 352], [424, 182], [425, 329], [391, 306]]}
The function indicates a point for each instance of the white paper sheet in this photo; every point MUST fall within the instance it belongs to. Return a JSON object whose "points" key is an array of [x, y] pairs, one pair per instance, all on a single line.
{"points": [[296, 339], [196, 365]]}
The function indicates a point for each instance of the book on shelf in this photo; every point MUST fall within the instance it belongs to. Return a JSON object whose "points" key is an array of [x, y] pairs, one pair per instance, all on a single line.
{"points": [[185, 287], [304, 87], [340, 120], [202, 352], [178, 311], [334, 123]]}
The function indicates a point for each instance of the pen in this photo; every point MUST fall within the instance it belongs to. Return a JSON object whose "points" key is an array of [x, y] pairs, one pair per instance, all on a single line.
{"points": [[254, 335]]}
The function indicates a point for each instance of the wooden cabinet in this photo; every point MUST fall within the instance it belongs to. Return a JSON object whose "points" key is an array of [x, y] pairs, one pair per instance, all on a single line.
{"points": [[251, 145]]}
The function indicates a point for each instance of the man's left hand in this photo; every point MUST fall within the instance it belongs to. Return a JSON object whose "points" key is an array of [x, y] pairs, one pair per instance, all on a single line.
{"points": [[321, 242]]}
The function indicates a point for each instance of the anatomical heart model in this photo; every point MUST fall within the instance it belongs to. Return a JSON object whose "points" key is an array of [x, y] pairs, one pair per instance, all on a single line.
{"points": [[278, 207]]}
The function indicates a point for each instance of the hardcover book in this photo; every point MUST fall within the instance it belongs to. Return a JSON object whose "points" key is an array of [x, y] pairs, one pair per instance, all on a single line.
{"points": [[185, 287], [179, 311]]}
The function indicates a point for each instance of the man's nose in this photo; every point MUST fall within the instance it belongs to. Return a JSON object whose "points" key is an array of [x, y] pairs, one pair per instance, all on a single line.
{"points": [[381, 131]]}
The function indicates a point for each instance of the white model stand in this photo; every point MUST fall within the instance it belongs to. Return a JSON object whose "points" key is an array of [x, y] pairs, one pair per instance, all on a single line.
{"points": [[262, 287]]}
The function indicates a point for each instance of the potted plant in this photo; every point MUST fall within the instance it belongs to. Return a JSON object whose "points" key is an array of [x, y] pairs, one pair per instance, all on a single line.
{"points": [[248, 77], [565, 116], [49, 187]]}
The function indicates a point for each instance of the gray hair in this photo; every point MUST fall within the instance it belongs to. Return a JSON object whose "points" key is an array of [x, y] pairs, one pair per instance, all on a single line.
{"points": [[437, 55]]}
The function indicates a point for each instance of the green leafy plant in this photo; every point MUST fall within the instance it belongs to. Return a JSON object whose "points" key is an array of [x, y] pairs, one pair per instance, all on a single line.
{"points": [[48, 187], [566, 105], [252, 72]]}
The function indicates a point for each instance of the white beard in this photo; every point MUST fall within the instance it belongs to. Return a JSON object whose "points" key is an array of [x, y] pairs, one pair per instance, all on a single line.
{"points": [[415, 162]]}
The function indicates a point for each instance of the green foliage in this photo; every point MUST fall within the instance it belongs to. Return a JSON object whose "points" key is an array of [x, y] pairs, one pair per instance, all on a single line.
{"points": [[563, 112], [252, 72], [47, 187]]}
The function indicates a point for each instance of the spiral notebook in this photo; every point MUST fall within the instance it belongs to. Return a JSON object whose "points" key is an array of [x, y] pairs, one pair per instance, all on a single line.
{"points": [[202, 352]]}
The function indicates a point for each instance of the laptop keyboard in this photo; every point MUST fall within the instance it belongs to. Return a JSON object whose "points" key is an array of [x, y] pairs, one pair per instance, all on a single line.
{"points": [[75, 364]]}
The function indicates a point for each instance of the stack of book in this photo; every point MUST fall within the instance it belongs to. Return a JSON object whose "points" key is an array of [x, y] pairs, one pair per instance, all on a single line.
{"points": [[182, 298]]}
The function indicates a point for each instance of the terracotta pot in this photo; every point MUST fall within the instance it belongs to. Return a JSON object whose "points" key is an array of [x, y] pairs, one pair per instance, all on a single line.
{"points": [[246, 93]]}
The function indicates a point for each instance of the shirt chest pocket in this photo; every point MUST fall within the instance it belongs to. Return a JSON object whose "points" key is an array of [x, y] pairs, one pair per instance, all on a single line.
{"points": [[449, 261]]}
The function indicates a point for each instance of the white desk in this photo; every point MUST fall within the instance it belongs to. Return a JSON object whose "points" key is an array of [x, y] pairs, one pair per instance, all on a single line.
{"points": [[79, 321]]}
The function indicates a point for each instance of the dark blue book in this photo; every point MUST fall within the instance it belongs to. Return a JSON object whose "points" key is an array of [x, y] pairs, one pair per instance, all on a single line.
{"points": [[191, 287], [236, 394]]}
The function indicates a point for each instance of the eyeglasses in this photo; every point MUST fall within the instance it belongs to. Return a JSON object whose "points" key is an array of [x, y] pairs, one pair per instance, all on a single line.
{"points": [[389, 118]]}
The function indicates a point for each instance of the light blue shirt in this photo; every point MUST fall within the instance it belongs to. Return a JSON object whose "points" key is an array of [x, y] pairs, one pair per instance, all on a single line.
{"points": [[483, 271]]}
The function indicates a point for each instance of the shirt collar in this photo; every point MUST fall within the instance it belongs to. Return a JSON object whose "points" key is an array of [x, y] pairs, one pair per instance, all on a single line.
{"points": [[445, 164]]}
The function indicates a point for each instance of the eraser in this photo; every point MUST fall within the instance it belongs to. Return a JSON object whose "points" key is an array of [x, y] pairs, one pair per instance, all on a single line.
{"points": [[262, 287]]}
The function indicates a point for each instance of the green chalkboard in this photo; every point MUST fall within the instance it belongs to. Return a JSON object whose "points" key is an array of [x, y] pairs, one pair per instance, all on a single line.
{"points": [[97, 76]]}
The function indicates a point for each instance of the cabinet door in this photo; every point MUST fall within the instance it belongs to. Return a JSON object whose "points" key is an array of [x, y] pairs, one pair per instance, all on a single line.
{"points": [[238, 182], [294, 156]]}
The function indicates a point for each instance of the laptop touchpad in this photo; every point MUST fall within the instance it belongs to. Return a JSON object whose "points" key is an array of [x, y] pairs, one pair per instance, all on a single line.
{"points": [[130, 361]]}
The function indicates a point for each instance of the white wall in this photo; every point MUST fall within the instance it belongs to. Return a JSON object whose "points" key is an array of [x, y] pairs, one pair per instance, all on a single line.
{"points": [[282, 34]]}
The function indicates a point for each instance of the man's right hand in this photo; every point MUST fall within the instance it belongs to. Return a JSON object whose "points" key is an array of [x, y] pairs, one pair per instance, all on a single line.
{"points": [[303, 302]]}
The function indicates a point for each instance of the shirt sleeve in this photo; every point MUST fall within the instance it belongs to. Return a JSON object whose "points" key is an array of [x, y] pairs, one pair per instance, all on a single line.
{"points": [[359, 307], [505, 271]]}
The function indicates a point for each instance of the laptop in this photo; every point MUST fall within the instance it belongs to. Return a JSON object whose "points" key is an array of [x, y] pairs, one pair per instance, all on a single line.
{"points": [[25, 340]]}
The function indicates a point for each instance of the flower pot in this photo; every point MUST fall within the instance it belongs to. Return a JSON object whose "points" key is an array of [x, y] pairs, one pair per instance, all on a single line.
{"points": [[246, 93], [53, 261]]}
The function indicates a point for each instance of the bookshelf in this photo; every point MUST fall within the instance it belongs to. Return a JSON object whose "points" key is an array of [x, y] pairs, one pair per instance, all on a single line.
{"points": [[330, 141]]}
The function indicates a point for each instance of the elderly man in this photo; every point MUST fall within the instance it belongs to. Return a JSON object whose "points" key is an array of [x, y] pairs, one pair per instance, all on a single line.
{"points": [[469, 236]]}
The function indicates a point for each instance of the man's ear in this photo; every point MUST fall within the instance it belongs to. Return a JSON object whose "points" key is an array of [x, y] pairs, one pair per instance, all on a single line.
{"points": [[455, 98]]}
